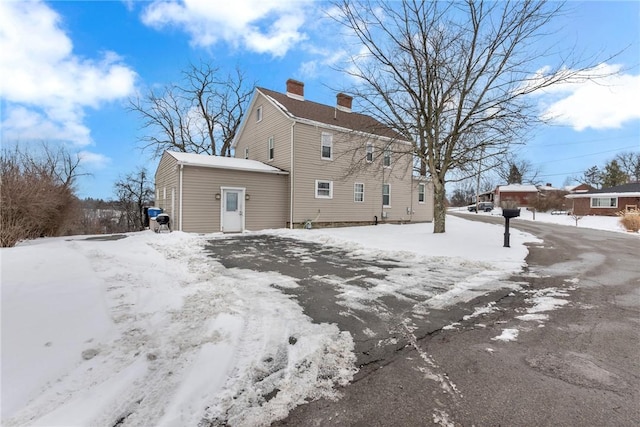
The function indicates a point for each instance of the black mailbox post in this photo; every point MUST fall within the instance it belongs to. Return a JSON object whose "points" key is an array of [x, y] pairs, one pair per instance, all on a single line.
{"points": [[508, 214]]}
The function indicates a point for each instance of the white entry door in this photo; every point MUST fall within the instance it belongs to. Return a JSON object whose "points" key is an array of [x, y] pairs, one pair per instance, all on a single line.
{"points": [[232, 210]]}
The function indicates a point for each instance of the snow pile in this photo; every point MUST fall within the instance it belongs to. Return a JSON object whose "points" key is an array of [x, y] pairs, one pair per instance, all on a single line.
{"points": [[147, 331]]}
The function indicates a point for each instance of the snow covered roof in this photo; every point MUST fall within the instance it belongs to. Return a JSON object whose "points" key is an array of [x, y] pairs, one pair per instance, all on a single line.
{"points": [[517, 188], [549, 188], [625, 190], [220, 162], [633, 187]]}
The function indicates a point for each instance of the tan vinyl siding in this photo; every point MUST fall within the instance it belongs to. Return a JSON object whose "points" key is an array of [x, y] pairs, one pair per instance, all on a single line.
{"points": [[349, 166], [166, 181], [255, 135], [267, 208]]}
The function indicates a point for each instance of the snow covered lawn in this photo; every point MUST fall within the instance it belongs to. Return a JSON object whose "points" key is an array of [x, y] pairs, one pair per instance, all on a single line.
{"points": [[148, 330], [607, 223]]}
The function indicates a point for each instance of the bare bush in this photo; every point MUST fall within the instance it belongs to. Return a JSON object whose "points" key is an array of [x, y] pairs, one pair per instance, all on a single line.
{"points": [[552, 200], [630, 220], [37, 196]]}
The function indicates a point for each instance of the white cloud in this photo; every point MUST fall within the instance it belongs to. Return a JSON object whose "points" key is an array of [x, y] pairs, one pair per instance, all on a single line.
{"points": [[93, 160], [327, 59], [262, 26], [44, 86], [606, 102]]}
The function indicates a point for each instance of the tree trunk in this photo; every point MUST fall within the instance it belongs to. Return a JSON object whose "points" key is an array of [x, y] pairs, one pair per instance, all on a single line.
{"points": [[439, 206]]}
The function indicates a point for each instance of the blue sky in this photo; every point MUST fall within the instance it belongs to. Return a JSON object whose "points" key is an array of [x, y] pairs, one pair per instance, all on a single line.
{"points": [[68, 69]]}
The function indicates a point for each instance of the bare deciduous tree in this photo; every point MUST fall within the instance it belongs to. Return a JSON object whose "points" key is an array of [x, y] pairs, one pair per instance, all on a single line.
{"points": [[515, 170], [453, 77], [133, 192], [629, 162], [200, 115]]}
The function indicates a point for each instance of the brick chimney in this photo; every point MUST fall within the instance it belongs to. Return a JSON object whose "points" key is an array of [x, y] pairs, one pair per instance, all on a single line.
{"points": [[295, 89], [344, 102]]}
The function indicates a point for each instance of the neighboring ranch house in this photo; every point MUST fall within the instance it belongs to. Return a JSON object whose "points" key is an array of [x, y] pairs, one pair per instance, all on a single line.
{"points": [[606, 201], [515, 194], [297, 163]]}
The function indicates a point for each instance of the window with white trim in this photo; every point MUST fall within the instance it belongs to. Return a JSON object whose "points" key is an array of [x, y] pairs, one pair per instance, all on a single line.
{"points": [[324, 189], [358, 192], [386, 195], [327, 146], [369, 152], [270, 148], [246, 153], [420, 193], [386, 159], [259, 114], [604, 202]]}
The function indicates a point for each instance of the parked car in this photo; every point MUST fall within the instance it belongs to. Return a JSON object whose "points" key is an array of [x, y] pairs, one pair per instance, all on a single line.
{"points": [[482, 206]]}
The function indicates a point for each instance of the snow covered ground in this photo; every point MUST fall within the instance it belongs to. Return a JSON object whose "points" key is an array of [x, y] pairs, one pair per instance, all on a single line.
{"points": [[148, 330], [608, 223]]}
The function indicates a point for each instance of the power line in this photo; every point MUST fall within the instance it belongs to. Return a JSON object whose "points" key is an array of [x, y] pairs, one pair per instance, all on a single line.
{"points": [[585, 155], [555, 144], [560, 174]]}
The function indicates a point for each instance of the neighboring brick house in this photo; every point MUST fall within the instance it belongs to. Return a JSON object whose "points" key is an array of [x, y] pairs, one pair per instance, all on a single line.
{"points": [[517, 194], [321, 165], [606, 201]]}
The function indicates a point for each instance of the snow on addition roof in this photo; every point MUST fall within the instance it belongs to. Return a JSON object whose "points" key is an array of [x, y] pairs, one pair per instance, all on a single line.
{"points": [[220, 162], [513, 188]]}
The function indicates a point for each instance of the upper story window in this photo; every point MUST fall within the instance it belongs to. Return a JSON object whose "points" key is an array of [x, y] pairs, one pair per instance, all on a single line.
{"points": [[324, 189], [270, 148], [327, 146], [259, 114], [369, 152], [386, 159], [246, 153], [386, 195], [604, 202], [420, 193], [358, 192]]}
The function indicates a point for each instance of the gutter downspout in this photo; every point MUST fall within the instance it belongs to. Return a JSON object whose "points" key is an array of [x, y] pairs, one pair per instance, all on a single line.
{"points": [[291, 180], [180, 202]]}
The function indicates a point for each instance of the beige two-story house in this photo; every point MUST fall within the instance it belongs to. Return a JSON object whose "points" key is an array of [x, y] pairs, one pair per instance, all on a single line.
{"points": [[297, 163]]}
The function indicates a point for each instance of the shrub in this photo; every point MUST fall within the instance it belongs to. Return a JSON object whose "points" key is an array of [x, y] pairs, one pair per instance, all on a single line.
{"points": [[630, 220], [549, 201], [35, 199]]}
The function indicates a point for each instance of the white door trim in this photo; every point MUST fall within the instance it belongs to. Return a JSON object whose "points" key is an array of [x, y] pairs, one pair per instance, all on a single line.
{"points": [[241, 205]]}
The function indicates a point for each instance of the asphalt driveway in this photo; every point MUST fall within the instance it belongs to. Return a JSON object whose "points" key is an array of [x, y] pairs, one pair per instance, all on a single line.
{"points": [[580, 366], [382, 302]]}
